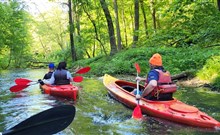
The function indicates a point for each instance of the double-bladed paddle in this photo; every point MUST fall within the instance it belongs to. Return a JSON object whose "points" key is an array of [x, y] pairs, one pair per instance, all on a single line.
{"points": [[48, 122], [137, 114], [24, 81]]}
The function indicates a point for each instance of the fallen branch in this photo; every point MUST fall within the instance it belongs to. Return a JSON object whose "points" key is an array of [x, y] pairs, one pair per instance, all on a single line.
{"points": [[183, 75]]}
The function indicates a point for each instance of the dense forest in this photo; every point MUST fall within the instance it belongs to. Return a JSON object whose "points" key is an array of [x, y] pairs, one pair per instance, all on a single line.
{"points": [[79, 31]]}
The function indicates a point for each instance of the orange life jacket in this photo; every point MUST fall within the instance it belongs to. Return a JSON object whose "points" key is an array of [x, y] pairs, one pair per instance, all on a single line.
{"points": [[164, 84]]}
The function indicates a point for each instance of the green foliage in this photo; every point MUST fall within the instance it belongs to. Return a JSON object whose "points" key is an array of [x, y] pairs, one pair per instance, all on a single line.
{"points": [[187, 23], [175, 60], [210, 70], [14, 35]]}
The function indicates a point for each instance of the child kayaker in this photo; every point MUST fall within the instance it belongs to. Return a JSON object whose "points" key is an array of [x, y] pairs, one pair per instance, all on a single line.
{"points": [[51, 68]]}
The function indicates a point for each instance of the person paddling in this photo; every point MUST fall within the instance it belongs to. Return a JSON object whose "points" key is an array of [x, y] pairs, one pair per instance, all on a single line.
{"points": [[60, 76], [158, 84]]}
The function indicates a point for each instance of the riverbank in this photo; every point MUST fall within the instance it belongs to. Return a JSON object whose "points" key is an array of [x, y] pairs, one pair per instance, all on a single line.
{"points": [[189, 82], [183, 63]]}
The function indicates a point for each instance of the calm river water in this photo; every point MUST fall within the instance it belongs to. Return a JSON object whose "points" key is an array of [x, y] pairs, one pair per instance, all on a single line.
{"points": [[96, 112]]}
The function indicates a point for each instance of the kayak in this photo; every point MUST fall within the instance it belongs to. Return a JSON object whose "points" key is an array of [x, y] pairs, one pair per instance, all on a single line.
{"points": [[66, 91], [173, 110]]}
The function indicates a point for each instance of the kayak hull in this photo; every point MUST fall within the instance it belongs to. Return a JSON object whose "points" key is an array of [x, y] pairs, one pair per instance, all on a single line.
{"points": [[173, 110], [66, 91]]}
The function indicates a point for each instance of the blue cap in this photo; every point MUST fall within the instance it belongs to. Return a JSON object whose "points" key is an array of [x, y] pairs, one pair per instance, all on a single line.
{"points": [[51, 65]]}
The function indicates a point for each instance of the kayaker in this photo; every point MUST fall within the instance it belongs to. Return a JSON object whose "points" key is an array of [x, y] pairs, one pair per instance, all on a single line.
{"points": [[51, 68], [60, 76], [158, 84]]}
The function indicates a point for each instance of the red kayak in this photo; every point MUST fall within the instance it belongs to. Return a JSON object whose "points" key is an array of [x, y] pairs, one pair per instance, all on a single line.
{"points": [[66, 91], [173, 110]]}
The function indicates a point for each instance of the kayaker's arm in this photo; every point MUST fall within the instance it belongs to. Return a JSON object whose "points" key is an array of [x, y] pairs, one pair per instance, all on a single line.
{"points": [[140, 79], [151, 85]]}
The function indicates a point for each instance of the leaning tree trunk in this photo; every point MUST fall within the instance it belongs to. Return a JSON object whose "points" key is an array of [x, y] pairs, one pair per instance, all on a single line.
{"points": [[117, 25], [73, 52], [96, 32], [110, 27], [136, 22], [145, 18], [153, 15]]}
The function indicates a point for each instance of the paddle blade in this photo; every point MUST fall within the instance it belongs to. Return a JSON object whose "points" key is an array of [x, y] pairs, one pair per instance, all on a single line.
{"points": [[83, 70], [22, 81], [17, 88], [137, 114], [137, 67], [78, 79], [47, 122]]}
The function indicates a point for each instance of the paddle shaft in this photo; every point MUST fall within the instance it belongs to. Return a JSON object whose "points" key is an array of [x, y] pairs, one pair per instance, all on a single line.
{"points": [[138, 93], [137, 114]]}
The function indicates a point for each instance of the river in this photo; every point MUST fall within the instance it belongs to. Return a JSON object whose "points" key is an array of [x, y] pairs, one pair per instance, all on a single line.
{"points": [[96, 112]]}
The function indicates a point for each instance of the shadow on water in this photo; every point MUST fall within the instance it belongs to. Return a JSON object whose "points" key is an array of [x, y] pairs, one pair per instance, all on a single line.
{"points": [[96, 111]]}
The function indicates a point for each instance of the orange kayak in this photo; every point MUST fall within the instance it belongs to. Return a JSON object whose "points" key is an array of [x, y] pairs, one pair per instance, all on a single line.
{"points": [[66, 91], [173, 110]]}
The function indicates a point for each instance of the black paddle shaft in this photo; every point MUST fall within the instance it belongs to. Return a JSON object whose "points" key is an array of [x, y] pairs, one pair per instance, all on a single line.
{"points": [[48, 122]]}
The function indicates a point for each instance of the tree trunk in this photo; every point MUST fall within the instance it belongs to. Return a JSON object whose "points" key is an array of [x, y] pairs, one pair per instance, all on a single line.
{"points": [[153, 15], [136, 22], [117, 25], [124, 26], [145, 18], [125, 29], [77, 20], [110, 27], [218, 1], [96, 32], [73, 52]]}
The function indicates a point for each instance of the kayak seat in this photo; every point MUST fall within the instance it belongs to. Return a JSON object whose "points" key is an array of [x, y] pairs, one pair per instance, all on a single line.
{"points": [[128, 88]]}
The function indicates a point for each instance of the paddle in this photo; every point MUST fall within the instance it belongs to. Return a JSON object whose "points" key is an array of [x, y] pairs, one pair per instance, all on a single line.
{"points": [[78, 79], [48, 122], [137, 114], [23, 83], [83, 70], [17, 88]]}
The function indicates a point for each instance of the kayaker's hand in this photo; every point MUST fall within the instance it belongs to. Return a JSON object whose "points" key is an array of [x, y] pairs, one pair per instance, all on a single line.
{"points": [[41, 82], [138, 97], [138, 79]]}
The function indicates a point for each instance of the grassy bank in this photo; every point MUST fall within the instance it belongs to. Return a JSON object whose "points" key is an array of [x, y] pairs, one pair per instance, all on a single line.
{"points": [[203, 64]]}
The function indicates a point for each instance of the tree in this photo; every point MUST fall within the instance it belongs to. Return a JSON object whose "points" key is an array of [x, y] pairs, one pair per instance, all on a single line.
{"points": [[117, 25], [153, 15], [218, 1], [14, 35], [95, 30], [73, 52], [145, 18], [110, 27], [136, 22]]}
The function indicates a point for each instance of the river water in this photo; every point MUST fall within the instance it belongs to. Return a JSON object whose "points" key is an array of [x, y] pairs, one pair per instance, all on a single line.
{"points": [[96, 112]]}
